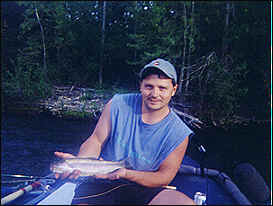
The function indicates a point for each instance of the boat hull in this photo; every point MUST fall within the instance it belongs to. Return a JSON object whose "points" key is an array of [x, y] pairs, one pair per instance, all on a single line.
{"points": [[189, 180]]}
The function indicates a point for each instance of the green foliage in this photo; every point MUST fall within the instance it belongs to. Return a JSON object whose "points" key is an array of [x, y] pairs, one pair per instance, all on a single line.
{"points": [[135, 33], [151, 39], [67, 36], [26, 77], [26, 82], [224, 92]]}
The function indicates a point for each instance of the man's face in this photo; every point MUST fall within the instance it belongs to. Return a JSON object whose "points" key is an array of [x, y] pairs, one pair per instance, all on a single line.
{"points": [[156, 92]]}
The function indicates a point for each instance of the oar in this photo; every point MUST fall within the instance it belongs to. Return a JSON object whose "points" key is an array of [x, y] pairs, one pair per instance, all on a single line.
{"points": [[19, 193]]}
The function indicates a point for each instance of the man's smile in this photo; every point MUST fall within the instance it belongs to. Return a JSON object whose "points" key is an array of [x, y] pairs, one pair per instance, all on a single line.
{"points": [[153, 101]]}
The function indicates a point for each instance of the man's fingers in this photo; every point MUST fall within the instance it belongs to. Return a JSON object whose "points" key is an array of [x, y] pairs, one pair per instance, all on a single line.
{"points": [[108, 176], [64, 155], [57, 175], [64, 175], [113, 176], [101, 176], [75, 174]]}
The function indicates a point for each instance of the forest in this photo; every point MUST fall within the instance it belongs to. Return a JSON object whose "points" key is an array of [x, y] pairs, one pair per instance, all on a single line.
{"points": [[220, 49]]}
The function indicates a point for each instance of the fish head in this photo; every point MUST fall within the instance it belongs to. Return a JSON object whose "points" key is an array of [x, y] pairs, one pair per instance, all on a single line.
{"points": [[60, 167]]}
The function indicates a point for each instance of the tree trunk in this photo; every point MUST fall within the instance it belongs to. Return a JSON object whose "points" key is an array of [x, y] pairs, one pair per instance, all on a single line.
{"points": [[102, 43], [190, 49], [135, 29], [43, 41], [226, 30], [180, 85]]}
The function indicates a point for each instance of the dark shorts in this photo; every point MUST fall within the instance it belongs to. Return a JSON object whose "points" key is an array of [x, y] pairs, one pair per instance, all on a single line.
{"points": [[110, 192]]}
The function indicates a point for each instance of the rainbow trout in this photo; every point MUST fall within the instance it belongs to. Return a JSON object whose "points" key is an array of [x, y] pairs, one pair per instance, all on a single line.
{"points": [[87, 166]]}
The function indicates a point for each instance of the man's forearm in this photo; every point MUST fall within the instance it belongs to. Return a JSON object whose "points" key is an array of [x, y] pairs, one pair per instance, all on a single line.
{"points": [[90, 148], [148, 179]]}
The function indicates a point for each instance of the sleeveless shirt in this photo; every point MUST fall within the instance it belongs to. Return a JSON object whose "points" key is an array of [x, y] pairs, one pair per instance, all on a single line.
{"points": [[143, 146]]}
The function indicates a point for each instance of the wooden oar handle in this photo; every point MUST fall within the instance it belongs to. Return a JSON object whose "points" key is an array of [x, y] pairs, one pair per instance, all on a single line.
{"points": [[19, 193]]}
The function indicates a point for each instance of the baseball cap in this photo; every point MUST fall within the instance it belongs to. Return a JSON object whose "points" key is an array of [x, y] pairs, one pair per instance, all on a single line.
{"points": [[166, 67]]}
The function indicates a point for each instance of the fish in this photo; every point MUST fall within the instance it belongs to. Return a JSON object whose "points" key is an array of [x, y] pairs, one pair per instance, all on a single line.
{"points": [[86, 166]]}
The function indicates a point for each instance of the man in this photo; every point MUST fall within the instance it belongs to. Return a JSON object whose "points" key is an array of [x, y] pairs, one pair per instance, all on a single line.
{"points": [[142, 129]]}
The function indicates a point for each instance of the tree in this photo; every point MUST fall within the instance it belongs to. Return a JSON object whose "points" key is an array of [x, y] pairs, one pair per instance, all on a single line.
{"points": [[43, 41], [29, 79], [102, 42], [77, 46]]}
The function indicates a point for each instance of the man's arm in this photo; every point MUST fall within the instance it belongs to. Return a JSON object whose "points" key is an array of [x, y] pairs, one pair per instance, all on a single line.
{"points": [[162, 177], [92, 146]]}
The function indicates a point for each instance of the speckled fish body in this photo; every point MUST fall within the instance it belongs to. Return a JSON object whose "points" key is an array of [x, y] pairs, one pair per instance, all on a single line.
{"points": [[87, 166]]}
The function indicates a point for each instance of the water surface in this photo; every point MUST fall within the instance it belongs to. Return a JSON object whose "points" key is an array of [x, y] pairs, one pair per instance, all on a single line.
{"points": [[28, 142]]}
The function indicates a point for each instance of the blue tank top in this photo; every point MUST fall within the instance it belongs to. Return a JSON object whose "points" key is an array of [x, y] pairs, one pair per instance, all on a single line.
{"points": [[143, 145]]}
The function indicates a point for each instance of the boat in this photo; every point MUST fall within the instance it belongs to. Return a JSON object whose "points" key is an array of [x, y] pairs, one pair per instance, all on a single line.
{"points": [[215, 187]]}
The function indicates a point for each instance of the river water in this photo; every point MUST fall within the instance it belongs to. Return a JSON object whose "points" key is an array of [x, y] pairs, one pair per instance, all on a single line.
{"points": [[28, 144]]}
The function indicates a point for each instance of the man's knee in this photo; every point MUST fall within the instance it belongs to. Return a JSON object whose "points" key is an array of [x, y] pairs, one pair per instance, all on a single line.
{"points": [[172, 197]]}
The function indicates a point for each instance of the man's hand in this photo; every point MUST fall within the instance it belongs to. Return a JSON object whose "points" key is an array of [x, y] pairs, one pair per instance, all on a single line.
{"points": [[64, 155], [117, 174], [74, 175]]}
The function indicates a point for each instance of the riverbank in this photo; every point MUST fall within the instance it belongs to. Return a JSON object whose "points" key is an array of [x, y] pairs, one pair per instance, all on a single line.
{"points": [[68, 102], [78, 103]]}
